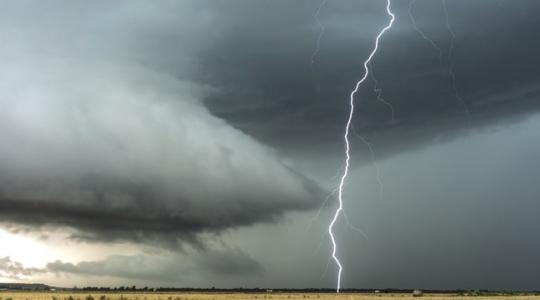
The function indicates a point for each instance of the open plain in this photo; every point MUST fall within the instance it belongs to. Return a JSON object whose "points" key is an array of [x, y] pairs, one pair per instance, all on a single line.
{"points": [[245, 296]]}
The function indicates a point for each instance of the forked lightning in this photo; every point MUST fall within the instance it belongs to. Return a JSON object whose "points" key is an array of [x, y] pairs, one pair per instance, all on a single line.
{"points": [[348, 125]]}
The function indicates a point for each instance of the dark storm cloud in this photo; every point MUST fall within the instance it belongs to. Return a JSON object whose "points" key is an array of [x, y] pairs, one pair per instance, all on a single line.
{"points": [[136, 169], [464, 210], [145, 216], [257, 55], [97, 140], [148, 122], [269, 89], [164, 268], [230, 263]]}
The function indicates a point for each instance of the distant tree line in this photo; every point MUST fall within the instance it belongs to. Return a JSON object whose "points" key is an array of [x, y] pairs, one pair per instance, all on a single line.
{"points": [[462, 292], [42, 287]]}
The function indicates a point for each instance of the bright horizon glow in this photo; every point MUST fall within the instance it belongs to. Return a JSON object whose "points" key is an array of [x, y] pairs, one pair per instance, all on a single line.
{"points": [[28, 251]]}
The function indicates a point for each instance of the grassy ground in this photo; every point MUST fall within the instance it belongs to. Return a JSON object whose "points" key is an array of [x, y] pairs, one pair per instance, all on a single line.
{"points": [[237, 296]]}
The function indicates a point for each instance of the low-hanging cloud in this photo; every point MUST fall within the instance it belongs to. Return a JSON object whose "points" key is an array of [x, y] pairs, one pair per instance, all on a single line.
{"points": [[161, 267], [170, 267], [118, 151], [15, 270]]}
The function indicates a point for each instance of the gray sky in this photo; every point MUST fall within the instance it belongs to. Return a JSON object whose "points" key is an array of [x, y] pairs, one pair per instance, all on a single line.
{"points": [[193, 143]]}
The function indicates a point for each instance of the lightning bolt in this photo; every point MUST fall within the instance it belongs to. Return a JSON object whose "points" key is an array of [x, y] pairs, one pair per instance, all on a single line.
{"points": [[422, 34], [378, 174], [321, 33], [451, 63], [378, 92], [339, 210]]}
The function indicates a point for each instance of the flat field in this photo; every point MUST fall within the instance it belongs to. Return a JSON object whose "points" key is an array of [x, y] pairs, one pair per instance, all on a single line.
{"points": [[242, 296]]}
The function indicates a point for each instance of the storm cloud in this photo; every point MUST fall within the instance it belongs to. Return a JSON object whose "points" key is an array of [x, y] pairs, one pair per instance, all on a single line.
{"points": [[163, 266], [274, 93], [118, 151], [15, 270], [115, 160], [168, 267], [201, 130]]}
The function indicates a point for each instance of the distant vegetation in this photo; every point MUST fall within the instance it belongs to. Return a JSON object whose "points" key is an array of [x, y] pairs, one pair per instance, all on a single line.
{"points": [[261, 295], [43, 292]]}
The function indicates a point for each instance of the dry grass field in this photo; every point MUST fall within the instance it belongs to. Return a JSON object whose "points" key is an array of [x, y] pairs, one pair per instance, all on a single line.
{"points": [[238, 296]]}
